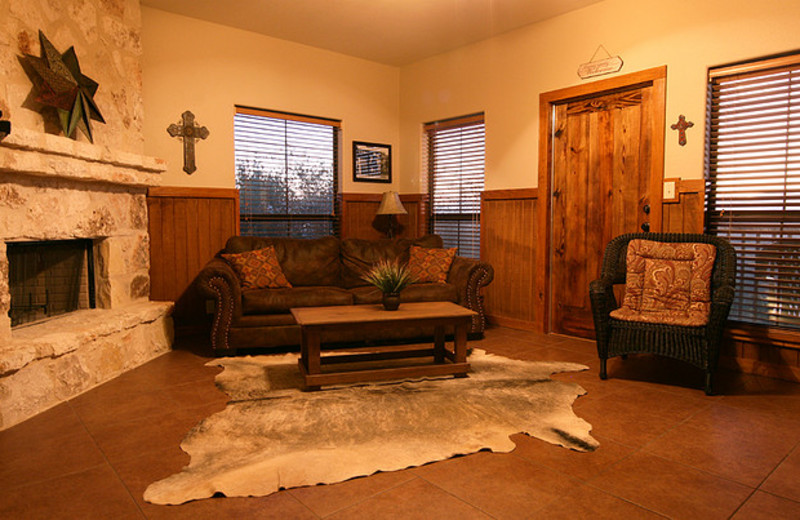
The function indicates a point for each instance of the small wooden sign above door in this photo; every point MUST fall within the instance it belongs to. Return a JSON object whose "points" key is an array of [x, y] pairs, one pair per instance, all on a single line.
{"points": [[599, 67], [594, 67]]}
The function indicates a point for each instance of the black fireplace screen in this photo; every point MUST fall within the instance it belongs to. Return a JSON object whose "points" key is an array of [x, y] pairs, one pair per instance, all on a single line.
{"points": [[49, 278]]}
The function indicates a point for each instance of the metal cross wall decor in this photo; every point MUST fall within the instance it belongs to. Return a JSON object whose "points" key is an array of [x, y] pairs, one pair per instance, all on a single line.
{"points": [[188, 132], [681, 127]]}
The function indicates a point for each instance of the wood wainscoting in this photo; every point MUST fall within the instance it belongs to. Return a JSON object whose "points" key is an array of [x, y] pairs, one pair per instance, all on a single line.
{"points": [[187, 227], [509, 242], [360, 221], [685, 215]]}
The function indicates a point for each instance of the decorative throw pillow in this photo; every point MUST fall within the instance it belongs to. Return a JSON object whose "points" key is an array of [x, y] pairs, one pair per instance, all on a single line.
{"points": [[258, 269], [667, 282], [430, 264]]}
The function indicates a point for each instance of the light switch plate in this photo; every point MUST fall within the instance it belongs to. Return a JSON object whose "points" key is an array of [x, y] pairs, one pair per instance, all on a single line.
{"points": [[670, 193]]}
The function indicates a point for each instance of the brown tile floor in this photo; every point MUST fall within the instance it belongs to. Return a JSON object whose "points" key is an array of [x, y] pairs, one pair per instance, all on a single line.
{"points": [[666, 450]]}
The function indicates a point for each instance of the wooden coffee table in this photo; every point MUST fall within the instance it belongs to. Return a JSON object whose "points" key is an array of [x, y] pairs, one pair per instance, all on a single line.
{"points": [[316, 321]]}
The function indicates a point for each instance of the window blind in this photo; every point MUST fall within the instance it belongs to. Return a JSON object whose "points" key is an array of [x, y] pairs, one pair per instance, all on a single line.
{"points": [[286, 173], [753, 184], [456, 152]]}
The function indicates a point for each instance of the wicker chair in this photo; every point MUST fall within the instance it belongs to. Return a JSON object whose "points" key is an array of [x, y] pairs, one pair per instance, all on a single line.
{"points": [[699, 346]]}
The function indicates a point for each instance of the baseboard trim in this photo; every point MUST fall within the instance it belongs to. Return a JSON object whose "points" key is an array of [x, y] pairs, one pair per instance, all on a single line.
{"points": [[760, 368], [513, 323]]}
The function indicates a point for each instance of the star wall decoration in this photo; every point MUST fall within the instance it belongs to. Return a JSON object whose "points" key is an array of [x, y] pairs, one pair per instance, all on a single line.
{"points": [[62, 85]]}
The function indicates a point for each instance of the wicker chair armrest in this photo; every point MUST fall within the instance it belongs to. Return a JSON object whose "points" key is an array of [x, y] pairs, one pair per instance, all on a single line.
{"points": [[723, 295], [721, 302], [601, 291], [601, 295]]}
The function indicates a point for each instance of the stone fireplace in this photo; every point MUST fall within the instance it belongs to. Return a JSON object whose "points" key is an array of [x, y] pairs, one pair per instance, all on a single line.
{"points": [[60, 190]]}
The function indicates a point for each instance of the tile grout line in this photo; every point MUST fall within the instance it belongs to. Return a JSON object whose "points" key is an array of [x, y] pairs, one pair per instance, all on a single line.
{"points": [[473, 506], [302, 504], [108, 462], [764, 480], [51, 479], [364, 499]]}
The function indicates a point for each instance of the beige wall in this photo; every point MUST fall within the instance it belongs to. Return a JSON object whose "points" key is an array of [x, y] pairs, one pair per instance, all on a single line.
{"points": [[504, 76], [208, 68]]}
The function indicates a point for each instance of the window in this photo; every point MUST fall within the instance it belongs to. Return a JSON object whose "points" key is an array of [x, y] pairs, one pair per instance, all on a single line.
{"points": [[455, 181], [287, 174], [753, 184]]}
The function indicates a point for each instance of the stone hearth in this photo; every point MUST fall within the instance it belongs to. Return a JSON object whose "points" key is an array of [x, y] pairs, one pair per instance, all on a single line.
{"points": [[54, 188]]}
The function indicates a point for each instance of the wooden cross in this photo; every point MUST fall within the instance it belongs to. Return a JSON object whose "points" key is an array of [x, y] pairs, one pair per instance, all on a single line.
{"points": [[681, 127], [188, 132]]}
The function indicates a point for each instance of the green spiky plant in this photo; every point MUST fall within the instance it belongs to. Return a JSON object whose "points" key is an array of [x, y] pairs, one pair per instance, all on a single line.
{"points": [[390, 277]]}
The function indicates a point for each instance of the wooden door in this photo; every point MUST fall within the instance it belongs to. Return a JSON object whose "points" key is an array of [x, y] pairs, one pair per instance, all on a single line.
{"points": [[602, 185]]}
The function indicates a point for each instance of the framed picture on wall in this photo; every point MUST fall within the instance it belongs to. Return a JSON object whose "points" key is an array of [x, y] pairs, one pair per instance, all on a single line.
{"points": [[372, 162]]}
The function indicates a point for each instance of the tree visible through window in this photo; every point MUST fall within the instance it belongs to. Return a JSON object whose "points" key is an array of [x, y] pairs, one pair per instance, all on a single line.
{"points": [[753, 184], [455, 181], [286, 173]]}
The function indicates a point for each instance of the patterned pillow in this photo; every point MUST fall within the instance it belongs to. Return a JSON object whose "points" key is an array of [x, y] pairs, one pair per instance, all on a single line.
{"points": [[667, 282], [258, 269], [430, 264]]}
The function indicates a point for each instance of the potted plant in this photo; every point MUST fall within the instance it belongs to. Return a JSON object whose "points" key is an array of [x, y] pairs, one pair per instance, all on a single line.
{"points": [[390, 277]]}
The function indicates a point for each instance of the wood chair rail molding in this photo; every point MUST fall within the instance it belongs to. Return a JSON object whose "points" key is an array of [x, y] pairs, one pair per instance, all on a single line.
{"points": [[511, 194], [195, 193]]}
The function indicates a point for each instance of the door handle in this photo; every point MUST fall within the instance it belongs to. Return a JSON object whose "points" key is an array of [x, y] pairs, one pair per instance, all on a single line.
{"points": [[646, 227], [646, 209]]}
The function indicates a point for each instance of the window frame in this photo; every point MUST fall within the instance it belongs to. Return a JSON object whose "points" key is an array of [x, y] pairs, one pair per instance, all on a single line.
{"points": [[431, 129], [334, 218], [752, 256]]}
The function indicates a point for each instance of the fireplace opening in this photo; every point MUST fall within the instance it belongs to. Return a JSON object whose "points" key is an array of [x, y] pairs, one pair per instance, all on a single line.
{"points": [[49, 278]]}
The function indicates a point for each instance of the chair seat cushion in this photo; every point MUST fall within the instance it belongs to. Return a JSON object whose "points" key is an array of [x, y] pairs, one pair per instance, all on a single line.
{"points": [[281, 300], [667, 282]]}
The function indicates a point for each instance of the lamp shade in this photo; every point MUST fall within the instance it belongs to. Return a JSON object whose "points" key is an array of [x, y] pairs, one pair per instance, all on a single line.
{"points": [[391, 205]]}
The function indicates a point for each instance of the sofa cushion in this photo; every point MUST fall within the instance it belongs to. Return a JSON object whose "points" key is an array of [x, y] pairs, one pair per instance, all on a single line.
{"points": [[667, 283], [258, 269], [419, 292], [305, 262], [281, 300], [265, 320], [430, 264], [359, 255]]}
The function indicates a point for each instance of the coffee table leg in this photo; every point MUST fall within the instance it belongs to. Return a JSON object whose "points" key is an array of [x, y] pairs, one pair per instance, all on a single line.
{"points": [[304, 348], [438, 344], [460, 345], [313, 338]]}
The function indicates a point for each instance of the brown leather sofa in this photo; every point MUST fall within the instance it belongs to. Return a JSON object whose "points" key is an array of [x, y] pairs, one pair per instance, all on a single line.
{"points": [[325, 271]]}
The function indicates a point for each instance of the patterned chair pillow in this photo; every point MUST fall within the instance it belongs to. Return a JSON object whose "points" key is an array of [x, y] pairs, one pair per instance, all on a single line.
{"points": [[667, 282], [258, 269], [430, 264]]}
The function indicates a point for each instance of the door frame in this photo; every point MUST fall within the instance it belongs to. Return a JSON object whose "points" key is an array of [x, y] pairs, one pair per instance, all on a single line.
{"points": [[655, 77]]}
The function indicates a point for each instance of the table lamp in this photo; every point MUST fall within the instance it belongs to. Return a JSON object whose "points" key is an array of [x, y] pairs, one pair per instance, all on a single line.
{"points": [[391, 206]]}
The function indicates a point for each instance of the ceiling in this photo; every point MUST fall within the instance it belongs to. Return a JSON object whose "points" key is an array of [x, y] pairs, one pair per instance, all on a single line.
{"points": [[394, 32]]}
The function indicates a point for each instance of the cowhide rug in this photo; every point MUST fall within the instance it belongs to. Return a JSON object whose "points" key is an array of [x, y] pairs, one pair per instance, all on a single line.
{"points": [[272, 435]]}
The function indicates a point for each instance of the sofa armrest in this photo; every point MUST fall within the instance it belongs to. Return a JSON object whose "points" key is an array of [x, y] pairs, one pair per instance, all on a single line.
{"points": [[470, 276], [219, 282]]}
